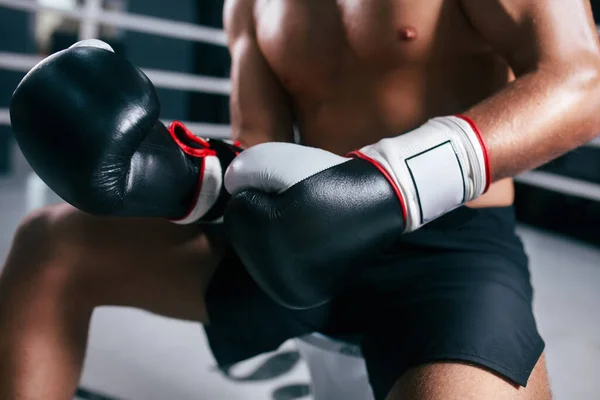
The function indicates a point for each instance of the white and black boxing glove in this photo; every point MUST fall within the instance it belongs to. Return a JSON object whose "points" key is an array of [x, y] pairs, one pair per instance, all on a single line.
{"points": [[304, 220]]}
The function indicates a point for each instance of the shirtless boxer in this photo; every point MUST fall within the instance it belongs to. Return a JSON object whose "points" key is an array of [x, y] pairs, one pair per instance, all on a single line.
{"points": [[348, 74]]}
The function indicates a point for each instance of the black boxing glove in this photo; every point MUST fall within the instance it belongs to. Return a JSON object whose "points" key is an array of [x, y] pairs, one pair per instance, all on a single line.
{"points": [[305, 221], [87, 121]]}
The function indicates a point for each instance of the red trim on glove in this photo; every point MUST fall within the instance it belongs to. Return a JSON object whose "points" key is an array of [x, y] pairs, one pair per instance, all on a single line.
{"points": [[178, 128], [358, 154], [486, 157]]}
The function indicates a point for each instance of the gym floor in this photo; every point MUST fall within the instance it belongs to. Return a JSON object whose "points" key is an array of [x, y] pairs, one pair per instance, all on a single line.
{"points": [[137, 356]]}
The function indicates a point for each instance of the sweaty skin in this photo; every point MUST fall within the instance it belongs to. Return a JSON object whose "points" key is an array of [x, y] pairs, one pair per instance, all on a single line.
{"points": [[349, 73]]}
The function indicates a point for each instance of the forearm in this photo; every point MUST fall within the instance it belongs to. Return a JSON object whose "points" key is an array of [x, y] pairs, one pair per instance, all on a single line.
{"points": [[538, 117], [451, 160]]}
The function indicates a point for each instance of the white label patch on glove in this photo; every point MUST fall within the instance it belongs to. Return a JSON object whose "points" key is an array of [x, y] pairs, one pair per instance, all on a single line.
{"points": [[436, 167], [436, 195]]}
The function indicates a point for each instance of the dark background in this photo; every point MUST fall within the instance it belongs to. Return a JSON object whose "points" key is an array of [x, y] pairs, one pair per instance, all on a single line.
{"points": [[573, 216]]}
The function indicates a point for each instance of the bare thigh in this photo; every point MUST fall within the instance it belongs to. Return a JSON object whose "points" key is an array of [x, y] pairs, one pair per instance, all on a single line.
{"points": [[150, 264], [459, 381]]}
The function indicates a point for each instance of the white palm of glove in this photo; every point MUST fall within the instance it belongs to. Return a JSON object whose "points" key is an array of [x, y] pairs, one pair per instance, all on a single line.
{"points": [[275, 167]]}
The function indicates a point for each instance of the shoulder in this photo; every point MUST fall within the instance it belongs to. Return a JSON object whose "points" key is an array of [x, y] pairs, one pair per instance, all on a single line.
{"points": [[238, 17]]}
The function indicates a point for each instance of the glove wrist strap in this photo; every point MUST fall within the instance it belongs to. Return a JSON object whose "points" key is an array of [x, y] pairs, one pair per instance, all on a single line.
{"points": [[210, 198], [434, 168]]}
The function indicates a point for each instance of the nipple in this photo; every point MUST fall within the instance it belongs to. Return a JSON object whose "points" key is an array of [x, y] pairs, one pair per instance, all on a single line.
{"points": [[407, 33]]}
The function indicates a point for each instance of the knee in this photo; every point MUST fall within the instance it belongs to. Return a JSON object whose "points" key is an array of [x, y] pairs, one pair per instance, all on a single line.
{"points": [[33, 236], [45, 246]]}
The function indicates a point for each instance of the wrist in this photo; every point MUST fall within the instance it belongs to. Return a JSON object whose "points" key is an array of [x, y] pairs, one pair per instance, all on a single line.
{"points": [[434, 168]]}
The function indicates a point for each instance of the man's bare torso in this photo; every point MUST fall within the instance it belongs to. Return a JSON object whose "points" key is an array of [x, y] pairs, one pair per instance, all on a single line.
{"points": [[359, 71]]}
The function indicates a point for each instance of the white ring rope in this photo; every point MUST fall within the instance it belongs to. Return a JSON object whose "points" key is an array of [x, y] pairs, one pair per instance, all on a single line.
{"points": [[561, 184], [34, 6], [17, 61], [594, 143], [89, 28], [160, 78], [4, 116], [133, 22], [219, 131]]}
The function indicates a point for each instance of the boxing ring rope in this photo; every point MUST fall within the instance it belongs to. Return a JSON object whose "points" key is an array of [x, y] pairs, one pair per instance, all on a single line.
{"points": [[160, 78], [91, 15], [4, 117]]}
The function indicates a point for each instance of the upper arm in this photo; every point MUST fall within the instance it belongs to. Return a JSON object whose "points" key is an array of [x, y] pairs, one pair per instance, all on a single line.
{"points": [[529, 33], [260, 109]]}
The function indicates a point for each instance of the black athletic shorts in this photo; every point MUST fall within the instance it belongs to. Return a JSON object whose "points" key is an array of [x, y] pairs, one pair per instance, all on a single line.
{"points": [[448, 292]]}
